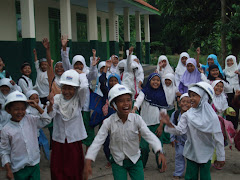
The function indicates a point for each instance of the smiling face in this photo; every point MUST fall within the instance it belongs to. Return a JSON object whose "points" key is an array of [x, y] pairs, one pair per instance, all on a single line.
{"points": [[190, 67], [214, 72], [185, 104], [59, 69], [230, 62], [164, 63], [183, 60], [17, 110], [218, 89], [155, 82], [78, 65], [124, 105], [68, 91], [115, 61], [112, 82], [194, 99], [168, 82], [26, 71], [35, 98], [43, 66], [210, 61], [5, 90]]}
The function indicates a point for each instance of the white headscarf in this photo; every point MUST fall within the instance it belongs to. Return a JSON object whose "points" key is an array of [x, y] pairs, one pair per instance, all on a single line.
{"points": [[230, 71], [219, 101], [181, 68], [100, 65], [5, 82], [184, 95], [80, 58], [203, 118], [170, 91], [30, 109], [57, 78], [167, 69]]}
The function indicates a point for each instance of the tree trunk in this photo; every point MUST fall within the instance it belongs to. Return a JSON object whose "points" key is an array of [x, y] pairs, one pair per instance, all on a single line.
{"points": [[223, 33]]}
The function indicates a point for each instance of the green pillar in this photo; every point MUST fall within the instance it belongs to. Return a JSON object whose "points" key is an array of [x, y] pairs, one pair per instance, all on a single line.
{"points": [[114, 48], [28, 44], [126, 47], [139, 51], [147, 52]]}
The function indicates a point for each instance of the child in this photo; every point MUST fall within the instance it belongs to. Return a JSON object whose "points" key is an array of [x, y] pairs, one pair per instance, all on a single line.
{"points": [[163, 66], [68, 128], [152, 101], [181, 67], [190, 76], [124, 128], [101, 67], [3, 73], [19, 144], [24, 81], [42, 85], [203, 130], [42, 139], [115, 61], [120, 67], [179, 141], [231, 73]]}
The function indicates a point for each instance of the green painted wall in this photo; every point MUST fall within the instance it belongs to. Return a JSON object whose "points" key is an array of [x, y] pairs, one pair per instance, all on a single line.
{"points": [[82, 48], [139, 51], [114, 47], [102, 49], [147, 53]]}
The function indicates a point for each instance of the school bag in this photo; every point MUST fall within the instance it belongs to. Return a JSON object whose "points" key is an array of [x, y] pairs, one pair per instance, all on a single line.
{"points": [[23, 79]]}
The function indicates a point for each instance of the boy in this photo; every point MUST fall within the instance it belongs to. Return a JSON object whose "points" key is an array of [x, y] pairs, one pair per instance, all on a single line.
{"points": [[24, 81], [179, 141], [19, 142], [123, 128]]}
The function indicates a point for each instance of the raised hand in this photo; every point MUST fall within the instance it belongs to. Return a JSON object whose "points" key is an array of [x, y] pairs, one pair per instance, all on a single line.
{"points": [[64, 41], [32, 103], [95, 61], [108, 63], [198, 50], [131, 50], [45, 43]]}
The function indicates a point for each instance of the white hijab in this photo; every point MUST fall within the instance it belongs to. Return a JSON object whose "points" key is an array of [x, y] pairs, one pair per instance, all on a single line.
{"points": [[230, 71], [80, 58], [30, 109], [5, 82], [57, 78], [97, 89], [203, 118], [167, 69], [170, 91], [67, 108], [181, 68], [219, 101]]}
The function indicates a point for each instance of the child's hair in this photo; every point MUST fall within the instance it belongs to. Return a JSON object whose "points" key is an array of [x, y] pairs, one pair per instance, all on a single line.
{"points": [[24, 65]]}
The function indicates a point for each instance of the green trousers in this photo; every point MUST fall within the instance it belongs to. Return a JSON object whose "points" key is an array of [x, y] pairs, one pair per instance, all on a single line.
{"points": [[135, 170], [28, 173], [90, 131], [144, 146], [193, 168]]}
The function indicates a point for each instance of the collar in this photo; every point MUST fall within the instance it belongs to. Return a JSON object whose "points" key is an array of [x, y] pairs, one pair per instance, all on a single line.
{"points": [[26, 77], [130, 117]]}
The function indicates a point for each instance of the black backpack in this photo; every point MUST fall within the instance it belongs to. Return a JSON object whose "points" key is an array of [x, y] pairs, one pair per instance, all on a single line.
{"points": [[23, 79]]}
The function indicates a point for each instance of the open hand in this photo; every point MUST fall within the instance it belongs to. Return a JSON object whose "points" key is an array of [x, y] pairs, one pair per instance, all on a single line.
{"points": [[45, 43], [201, 70], [198, 50], [64, 41], [95, 61], [32, 103], [108, 63], [162, 159], [131, 50]]}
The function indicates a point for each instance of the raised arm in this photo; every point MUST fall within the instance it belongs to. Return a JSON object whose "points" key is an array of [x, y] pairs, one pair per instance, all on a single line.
{"points": [[46, 45], [65, 54]]}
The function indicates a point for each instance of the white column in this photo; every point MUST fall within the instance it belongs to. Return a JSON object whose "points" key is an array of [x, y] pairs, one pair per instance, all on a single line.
{"points": [[138, 26], [103, 29], [92, 21], [112, 27], [27, 16], [65, 16], [126, 23], [146, 28], [116, 28]]}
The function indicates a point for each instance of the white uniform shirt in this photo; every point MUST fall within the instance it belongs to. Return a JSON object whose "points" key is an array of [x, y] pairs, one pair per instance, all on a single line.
{"points": [[92, 75], [73, 130], [42, 85], [4, 118], [24, 86], [124, 139], [199, 146], [149, 113], [19, 141]]}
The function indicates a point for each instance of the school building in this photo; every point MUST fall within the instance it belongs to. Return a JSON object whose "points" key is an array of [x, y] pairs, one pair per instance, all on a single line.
{"points": [[87, 23]]}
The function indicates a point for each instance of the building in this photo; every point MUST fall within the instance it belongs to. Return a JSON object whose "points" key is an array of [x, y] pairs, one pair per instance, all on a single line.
{"points": [[88, 24]]}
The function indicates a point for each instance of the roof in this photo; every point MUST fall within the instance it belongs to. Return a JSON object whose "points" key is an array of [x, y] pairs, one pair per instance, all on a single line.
{"points": [[146, 4]]}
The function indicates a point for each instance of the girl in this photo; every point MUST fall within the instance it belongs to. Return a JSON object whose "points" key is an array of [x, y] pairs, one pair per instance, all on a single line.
{"points": [[120, 67], [42, 85], [68, 128], [203, 130], [101, 67], [3, 73], [211, 59], [42, 139], [163, 66], [190, 76], [115, 61], [181, 67], [124, 128], [152, 101], [179, 141], [24, 81]]}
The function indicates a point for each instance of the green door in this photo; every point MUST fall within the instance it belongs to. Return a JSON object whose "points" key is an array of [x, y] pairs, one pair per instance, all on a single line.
{"points": [[107, 31], [55, 39]]}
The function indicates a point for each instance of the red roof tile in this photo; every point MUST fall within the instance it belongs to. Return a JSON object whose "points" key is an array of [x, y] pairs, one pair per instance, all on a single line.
{"points": [[146, 4]]}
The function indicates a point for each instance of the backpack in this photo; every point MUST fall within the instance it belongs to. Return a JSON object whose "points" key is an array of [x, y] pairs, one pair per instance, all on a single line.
{"points": [[237, 141], [23, 79], [175, 119]]}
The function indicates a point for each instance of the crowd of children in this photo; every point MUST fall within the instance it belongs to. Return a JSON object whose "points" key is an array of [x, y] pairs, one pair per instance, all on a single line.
{"points": [[189, 108]]}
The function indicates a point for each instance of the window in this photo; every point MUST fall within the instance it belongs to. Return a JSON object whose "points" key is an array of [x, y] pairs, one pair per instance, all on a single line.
{"points": [[82, 27]]}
